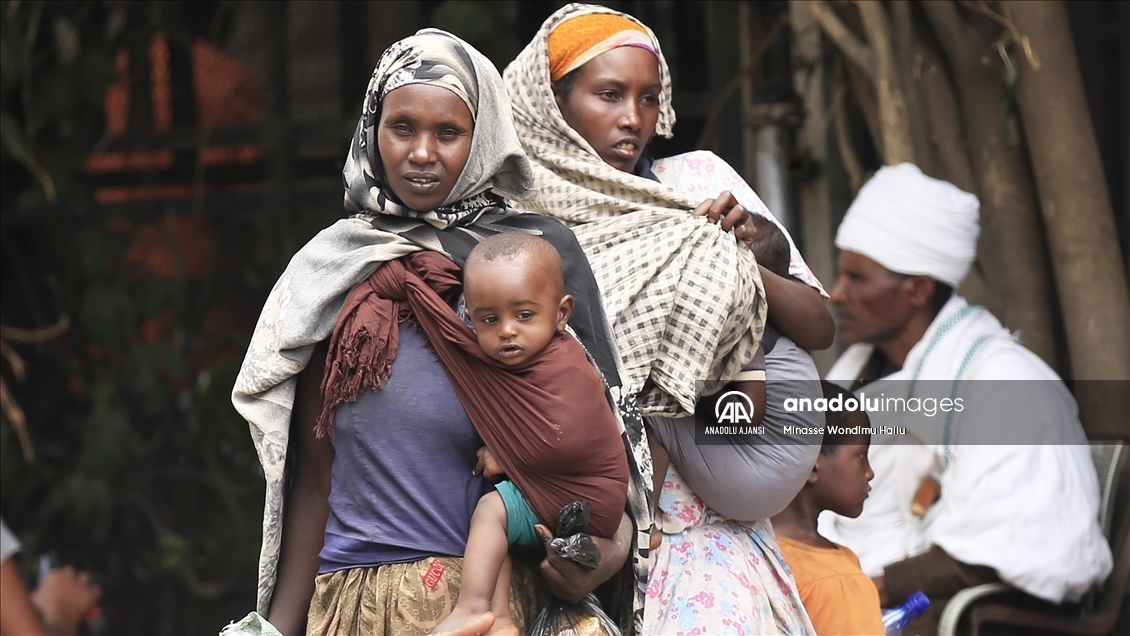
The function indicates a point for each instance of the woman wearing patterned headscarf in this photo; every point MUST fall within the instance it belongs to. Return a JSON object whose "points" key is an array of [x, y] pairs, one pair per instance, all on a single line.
{"points": [[685, 300], [432, 158]]}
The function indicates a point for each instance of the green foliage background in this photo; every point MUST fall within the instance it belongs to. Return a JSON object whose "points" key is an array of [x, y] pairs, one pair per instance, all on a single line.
{"points": [[143, 473]]}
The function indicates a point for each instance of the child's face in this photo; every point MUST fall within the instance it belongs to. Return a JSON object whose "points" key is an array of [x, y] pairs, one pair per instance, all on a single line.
{"points": [[843, 476], [516, 307]]}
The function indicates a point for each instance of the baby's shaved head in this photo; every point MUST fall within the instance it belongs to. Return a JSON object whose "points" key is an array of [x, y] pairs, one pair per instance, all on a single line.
{"points": [[770, 246], [512, 246]]}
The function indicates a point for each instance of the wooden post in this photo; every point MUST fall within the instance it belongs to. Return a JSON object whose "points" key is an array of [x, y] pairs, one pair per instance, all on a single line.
{"points": [[723, 57], [814, 199], [276, 134], [1011, 251], [1076, 208]]}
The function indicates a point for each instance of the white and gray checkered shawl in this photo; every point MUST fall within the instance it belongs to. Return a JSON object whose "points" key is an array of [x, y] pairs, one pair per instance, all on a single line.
{"points": [[685, 299]]}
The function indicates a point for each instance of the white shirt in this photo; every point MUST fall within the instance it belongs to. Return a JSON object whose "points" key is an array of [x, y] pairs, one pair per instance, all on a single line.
{"points": [[9, 544], [1019, 492]]}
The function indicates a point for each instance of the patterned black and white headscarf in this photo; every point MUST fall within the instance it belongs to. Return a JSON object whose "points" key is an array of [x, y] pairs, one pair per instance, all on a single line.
{"points": [[497, 167]]}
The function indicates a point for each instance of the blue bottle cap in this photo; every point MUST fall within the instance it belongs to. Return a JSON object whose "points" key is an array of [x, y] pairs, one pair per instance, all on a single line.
{"points": [[918, 602]]}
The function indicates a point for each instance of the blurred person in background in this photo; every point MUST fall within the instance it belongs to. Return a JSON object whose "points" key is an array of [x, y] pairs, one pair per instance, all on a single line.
{"points": [[55, 608], [1018, 494]]}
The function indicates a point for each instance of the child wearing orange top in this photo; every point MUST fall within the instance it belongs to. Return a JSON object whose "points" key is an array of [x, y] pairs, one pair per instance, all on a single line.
{"points": [[840, 599]]}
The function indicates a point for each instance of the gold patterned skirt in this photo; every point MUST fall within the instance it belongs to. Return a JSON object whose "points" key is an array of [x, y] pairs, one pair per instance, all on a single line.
{"points": [[407, 599]]}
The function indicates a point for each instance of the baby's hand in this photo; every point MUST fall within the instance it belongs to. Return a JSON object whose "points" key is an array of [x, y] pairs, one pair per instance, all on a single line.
{"points": [[487, 466]]}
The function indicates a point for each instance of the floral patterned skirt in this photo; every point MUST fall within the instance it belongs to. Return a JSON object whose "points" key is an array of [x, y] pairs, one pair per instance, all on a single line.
{"points": [[713, 576]]}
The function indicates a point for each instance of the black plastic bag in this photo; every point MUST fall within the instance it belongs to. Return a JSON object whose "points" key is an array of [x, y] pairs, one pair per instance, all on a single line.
{"points": [[579, 549], [585, 618], [573, 518], [570, 543]]}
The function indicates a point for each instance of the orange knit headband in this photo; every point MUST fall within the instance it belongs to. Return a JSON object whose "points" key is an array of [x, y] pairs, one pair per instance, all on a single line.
{"points": [[574, 42]]}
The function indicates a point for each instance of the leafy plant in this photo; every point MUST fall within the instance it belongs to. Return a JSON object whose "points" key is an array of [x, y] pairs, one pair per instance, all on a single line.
{"points": [[139, 469]]}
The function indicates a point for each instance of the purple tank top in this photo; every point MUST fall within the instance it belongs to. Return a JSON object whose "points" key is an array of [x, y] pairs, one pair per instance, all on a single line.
{"points": [[402, 488]]}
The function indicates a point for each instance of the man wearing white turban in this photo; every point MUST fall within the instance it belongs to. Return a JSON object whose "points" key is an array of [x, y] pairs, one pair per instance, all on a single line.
{"points": [[1017, 491]]}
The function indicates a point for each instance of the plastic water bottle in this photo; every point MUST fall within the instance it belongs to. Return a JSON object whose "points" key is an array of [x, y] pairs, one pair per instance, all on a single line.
{"points": [[896, 618]]}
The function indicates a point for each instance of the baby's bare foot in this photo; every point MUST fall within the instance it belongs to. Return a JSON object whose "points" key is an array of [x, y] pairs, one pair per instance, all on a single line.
{"points": [[462, 622]]}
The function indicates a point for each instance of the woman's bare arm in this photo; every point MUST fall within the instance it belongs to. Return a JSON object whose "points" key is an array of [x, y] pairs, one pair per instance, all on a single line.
{"points": [[304, 524], [798, 311], [569, 581]]}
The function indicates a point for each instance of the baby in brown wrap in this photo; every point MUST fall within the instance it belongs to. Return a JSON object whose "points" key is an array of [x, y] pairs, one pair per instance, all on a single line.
{"points": [[516, 301]]}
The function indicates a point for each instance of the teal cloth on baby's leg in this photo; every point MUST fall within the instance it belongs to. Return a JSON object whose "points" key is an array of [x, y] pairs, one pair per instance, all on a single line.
{"points": [[520, 519]]}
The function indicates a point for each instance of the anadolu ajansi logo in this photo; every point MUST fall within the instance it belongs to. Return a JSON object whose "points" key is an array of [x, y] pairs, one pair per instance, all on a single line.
{"points": [[739, 411]]}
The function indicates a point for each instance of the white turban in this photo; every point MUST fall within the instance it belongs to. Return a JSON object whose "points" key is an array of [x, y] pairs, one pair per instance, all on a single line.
{"points": [[912, 224]]}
